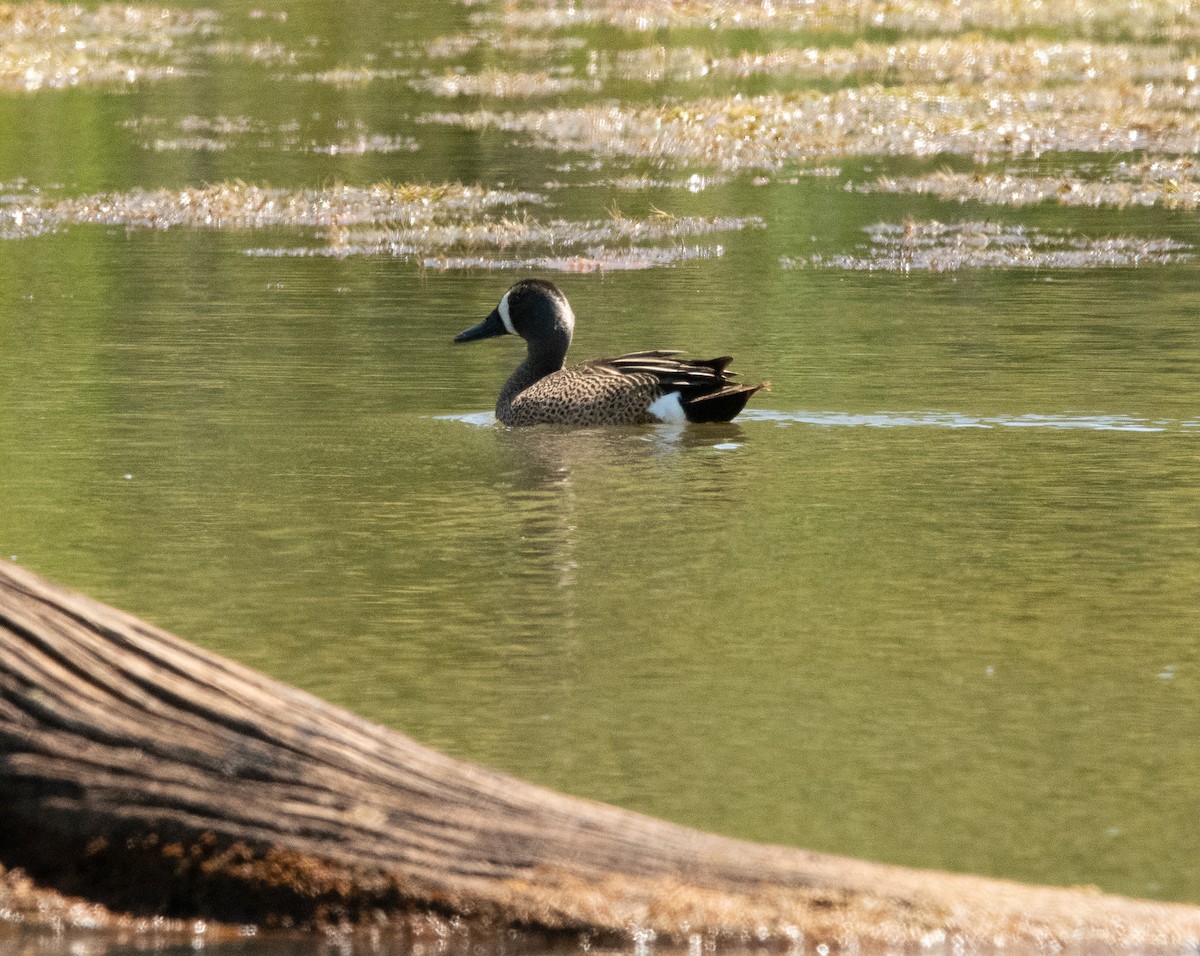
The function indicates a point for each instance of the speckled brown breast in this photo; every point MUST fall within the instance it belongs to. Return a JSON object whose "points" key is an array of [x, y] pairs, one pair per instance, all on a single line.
{"points": [[593, 393]]}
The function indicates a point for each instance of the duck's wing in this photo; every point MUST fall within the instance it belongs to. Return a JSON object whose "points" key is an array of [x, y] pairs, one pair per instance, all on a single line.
{"points": [[633, 389], [706, 388]]}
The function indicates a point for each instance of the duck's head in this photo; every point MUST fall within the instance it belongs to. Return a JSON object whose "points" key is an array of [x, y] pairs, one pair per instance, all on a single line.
{"points": [[533, 309]]}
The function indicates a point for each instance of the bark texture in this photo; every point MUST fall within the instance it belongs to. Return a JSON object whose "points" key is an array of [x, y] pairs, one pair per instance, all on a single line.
{"points": [[152, 776]]}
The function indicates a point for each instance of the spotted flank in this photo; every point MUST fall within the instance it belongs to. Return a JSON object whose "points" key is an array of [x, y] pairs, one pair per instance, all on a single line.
{"points": [[634, 389]]}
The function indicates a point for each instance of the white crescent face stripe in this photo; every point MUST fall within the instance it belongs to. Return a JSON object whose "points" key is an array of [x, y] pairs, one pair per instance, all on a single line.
{"points": [[502, 308]]}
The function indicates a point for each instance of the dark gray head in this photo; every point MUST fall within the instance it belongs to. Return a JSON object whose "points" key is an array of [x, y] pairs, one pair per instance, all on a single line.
{"points": [[533, 309]]}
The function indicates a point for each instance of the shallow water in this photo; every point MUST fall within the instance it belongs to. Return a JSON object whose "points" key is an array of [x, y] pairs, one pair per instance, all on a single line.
{"points": [[932, 600]]}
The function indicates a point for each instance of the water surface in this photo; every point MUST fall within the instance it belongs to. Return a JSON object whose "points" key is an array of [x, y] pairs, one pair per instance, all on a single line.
{"points": [[933, 600]]}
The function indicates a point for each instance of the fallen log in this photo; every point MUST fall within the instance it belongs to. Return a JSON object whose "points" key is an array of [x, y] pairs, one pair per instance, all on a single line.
{"points": [[144, 773]]}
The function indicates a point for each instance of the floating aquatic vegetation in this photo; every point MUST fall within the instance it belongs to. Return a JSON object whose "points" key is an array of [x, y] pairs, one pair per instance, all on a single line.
{"points": [[1170, 183], [598, 260], [500, 84], [1003, 93], [509, 233], [444, 227], [351, 146], [811, 172], [279, 16], [1145, 18], [239, 206], [362, 144], [198, 144], [694, 183], [51, 45], [963, 59], [222, 125], [450, 47], [521, 46], [197, 133], [345, 76], [749, 132], [616, 243], [221, 132], [255, 51], [946, 247]]}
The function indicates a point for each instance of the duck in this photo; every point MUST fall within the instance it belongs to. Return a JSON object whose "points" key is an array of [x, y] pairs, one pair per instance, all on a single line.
{"points": [[634, 389]]}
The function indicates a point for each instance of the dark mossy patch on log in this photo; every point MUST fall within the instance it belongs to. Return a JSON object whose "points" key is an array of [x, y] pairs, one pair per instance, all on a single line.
{"points": [[141, 872]]}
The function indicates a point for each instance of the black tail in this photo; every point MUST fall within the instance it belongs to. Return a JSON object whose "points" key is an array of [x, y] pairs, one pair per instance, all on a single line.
{"points": [[706, 388], [719, 406]]}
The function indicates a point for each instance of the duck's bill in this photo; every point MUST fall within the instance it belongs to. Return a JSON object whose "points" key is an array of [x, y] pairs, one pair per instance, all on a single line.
{"points": [[491, 326]]}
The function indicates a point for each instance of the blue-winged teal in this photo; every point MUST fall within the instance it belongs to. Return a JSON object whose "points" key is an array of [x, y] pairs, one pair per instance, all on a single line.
{"points": [[634, 389]]}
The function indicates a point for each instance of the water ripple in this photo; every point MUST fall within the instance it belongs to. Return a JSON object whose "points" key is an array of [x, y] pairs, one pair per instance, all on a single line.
{"points": [[931, 419], [936, 419]]}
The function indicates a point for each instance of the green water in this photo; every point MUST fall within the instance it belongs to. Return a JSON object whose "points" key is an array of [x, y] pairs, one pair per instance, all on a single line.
{"points": [[933, 600]]}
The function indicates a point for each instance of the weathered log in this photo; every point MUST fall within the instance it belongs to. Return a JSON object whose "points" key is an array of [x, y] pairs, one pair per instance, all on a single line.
{"points": [[155, 777]]}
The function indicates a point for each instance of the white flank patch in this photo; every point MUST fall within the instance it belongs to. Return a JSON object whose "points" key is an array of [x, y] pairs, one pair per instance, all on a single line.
{"points": [[502, 308], [668, 408]]}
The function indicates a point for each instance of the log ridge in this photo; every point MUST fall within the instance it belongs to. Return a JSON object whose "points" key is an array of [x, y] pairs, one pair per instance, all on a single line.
{"points": [[142, 772]]}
